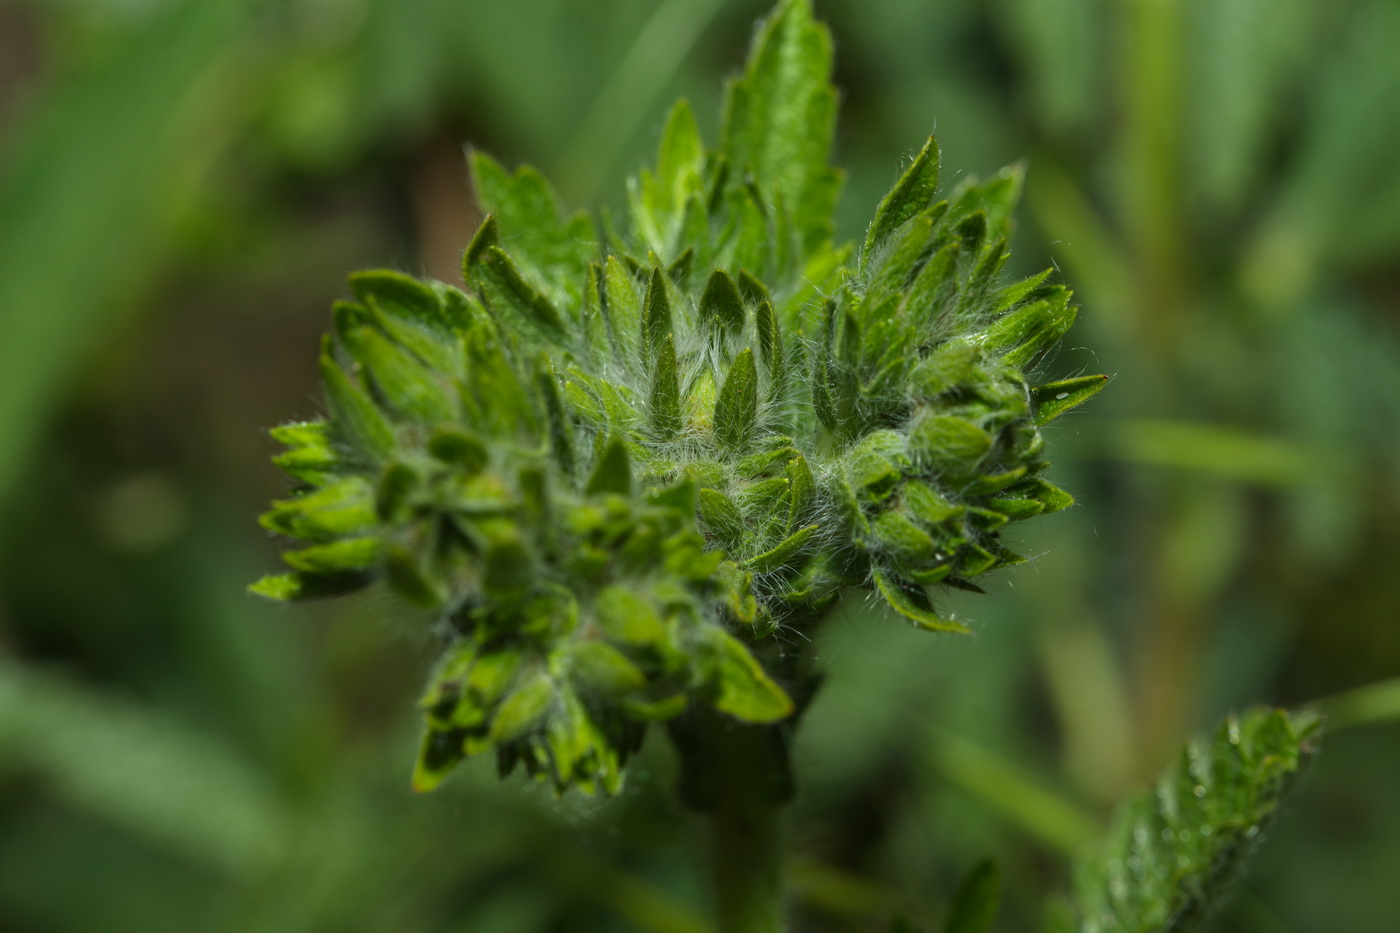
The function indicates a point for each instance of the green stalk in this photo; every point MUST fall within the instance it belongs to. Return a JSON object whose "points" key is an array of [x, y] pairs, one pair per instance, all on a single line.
{"points": [[747, 781]]}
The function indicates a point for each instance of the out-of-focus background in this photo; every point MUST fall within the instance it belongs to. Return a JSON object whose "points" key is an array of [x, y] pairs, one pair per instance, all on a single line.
{"points": [[183, 186]]}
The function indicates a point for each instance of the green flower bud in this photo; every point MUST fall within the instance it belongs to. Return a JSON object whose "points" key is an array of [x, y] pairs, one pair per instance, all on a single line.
{"points": [[621, 459]]}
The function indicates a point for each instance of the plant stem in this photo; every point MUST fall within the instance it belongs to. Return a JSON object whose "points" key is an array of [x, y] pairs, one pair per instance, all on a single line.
{"points": [[746, 848]]}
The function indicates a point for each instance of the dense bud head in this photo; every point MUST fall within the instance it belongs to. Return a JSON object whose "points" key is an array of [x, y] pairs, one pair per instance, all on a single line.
{"points": [[614, 467]]}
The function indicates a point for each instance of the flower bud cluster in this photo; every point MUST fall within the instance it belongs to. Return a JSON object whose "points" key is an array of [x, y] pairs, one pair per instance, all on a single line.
{"points": [[616, 472]]}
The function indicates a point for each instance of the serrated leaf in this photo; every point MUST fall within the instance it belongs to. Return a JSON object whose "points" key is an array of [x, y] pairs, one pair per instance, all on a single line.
{"points": [[396, 484], [554, 250], [1055, 398], [928, 505], [875, 465], [1029, 332], [779, 118], [1172, 854], [742, 688], [736, 409], [973, 559], [910, 196], [996, 197], [661, 204]]}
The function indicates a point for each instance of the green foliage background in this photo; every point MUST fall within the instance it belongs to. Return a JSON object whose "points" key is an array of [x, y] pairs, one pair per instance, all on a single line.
{"points": [[183, 186]]}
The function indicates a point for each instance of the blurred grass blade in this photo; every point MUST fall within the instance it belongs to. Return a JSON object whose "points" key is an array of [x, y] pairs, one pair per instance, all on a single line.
{"points": [[91, 188], [620, 107], [138, 769], [1220, 450], [975, 903], [1372, 704], [1004, 786]]}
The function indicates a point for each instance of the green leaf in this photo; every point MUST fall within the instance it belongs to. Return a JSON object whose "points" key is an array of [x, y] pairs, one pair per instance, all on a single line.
{"points": [[770, 345], [459, 447], [311, 456], [803, 486], [405, 384], [1028, 333], [438, 753], [302, 585], [629, 618], [410, 579], [721, 517], [680, 158], [736, 410], [561, 429], [948, 366], [913, 603], [515, 303], [666, 206], [901, 539], [948, 442], [721, 305], [996, 197], [1051, 497], [665, 397], [613, 471], [348, 554], [622, 308], [400, 296], [787, 553], [345, 507], [910, 196], [1055, 398], [743, 689], [353, 413], [599, 666], [779, 117], [1173, 854], [975, 903], [552, 250], [524, 709], [656, 323]]}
